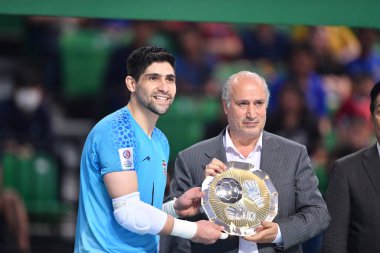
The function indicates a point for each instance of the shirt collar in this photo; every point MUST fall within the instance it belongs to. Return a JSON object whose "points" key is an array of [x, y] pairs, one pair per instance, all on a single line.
{"points": [[228, 144], [378, 148]]}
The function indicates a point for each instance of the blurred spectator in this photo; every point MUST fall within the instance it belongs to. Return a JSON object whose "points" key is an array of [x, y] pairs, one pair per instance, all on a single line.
{"points": [[14, 225], [352, 120], [302, 73], [338, 89], [368, 61], [11, 50], [222, 40], [265, 42], [114, 91], [352, 133], [358, 102], [333, 46], [194, 65], [42, 48], [25, 115], [293, 120]]}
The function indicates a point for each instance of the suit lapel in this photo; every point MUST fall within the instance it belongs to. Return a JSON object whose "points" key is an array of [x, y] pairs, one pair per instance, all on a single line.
{"points": [[371, 163], [216, 149], [269, 157]]}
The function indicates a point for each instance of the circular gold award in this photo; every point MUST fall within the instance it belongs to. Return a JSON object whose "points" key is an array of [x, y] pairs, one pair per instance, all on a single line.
{"points": [[240, 198]]}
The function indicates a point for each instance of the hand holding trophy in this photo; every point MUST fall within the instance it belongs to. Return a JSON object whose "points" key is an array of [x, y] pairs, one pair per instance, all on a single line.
{"points": [[239, 198]]}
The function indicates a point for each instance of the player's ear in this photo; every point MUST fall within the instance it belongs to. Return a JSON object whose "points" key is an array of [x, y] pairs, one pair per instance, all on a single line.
{"points": [[130, 83]]}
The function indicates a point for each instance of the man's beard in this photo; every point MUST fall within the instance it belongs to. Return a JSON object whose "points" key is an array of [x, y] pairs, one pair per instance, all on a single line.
{"points": [[151, 106]]}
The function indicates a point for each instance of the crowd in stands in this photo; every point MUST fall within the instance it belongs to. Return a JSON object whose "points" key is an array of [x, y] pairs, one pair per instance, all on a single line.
{"points": [[319, 78]]}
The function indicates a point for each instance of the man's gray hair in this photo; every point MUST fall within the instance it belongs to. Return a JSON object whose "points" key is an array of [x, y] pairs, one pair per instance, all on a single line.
{"points": [[226, 89]]}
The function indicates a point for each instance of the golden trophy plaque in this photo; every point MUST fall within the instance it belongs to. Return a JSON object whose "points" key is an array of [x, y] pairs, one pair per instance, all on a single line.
{"points": [[239, 198]]}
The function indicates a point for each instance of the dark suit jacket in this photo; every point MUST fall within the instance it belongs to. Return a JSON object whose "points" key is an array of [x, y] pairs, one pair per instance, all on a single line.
{"points": [[353, 199], [302, 212]]}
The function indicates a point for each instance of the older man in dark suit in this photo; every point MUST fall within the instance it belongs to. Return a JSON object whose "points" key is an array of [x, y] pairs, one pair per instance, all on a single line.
{"points": [[353, 196], [302, 212]]}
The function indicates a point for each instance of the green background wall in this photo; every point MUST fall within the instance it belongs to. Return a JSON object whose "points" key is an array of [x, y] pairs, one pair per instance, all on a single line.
{"points": [[358, 13]]}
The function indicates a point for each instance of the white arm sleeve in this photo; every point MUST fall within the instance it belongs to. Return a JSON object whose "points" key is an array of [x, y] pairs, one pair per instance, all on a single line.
{"points": [[136, 216], [133, 214]]}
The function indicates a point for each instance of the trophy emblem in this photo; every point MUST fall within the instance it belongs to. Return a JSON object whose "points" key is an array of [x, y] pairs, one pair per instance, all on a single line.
{"points": [[239, 198]]}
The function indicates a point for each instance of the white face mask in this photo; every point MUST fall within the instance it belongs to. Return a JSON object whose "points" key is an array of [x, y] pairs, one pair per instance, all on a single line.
{"points": [[28, 99]]}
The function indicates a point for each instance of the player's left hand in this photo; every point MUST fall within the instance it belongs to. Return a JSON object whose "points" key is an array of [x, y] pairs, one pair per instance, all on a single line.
{"points": [[188, 204], [266, 233]]}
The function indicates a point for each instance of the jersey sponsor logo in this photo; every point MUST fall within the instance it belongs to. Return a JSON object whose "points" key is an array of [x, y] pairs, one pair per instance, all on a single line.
{"points": [[164, 167], [146, 159], [126, 158]]}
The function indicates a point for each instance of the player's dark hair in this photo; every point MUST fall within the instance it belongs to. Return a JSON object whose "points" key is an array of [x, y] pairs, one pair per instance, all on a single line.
{"points": [[143, 57]]}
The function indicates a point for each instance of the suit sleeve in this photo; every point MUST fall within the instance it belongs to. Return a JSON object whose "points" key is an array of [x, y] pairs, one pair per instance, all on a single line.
{"points": [[338, 203], [181, 180], [310, 215]]}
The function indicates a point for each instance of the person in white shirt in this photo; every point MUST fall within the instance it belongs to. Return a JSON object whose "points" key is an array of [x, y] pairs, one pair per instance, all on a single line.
{"points": [[302, 212]]}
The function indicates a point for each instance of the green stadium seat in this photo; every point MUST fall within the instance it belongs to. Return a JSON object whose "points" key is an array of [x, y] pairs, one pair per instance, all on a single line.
{"points": [[85, 54], [35, 178]]}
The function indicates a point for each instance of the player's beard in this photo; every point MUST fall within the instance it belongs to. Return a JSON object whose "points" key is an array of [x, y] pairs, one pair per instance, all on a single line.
{"points": [[152, 104]]}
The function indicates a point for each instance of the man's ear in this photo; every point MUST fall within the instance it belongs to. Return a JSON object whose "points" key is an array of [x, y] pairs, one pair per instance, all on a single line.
{"points": [[225, 106], [130, 83]]}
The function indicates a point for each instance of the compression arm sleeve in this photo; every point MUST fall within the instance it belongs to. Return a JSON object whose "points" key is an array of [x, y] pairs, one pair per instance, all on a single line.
{"points": [[133, 214]]}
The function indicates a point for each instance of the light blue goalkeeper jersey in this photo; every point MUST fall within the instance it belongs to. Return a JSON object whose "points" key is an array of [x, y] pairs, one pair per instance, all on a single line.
{"points": [[118, 143]]}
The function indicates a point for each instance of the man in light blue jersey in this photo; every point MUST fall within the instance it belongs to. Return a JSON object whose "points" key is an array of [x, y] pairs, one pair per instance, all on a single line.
{"points": [[123, 170]]}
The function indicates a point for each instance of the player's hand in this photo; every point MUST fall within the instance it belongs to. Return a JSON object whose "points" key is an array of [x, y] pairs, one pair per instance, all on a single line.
{"points": [[189, 202], [215, 167], [208, 232], [266, 233]]}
